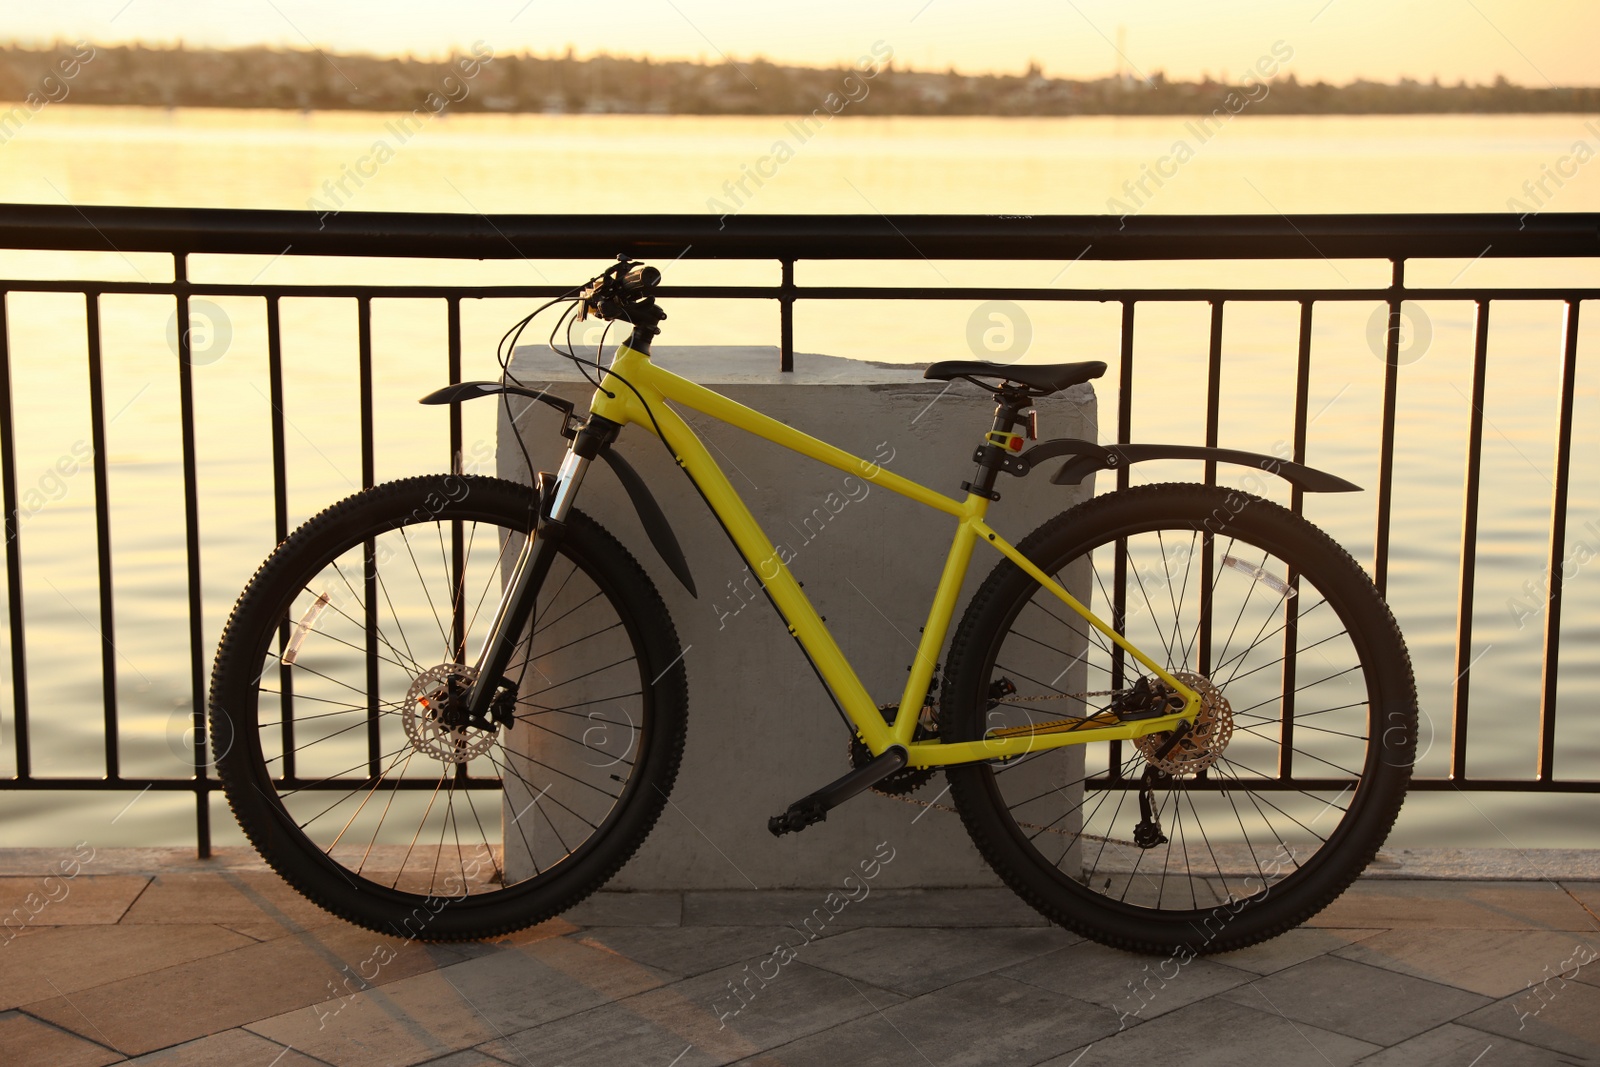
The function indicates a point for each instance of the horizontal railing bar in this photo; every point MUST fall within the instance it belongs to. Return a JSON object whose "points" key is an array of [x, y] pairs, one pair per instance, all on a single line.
{"points": [[1425, 785], [433, 235], [211, 785], [1431, 785], [773, 292]]}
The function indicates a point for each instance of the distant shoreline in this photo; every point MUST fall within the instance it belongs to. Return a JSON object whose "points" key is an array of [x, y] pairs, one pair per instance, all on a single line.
{"points": [[481, 81]]}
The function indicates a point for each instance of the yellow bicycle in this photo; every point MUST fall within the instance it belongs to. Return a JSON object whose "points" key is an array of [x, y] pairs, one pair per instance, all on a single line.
{"points": [[1173, 718]]}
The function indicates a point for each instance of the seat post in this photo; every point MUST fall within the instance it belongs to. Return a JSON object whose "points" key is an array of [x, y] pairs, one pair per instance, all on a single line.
{"points": [[1010, 403]]}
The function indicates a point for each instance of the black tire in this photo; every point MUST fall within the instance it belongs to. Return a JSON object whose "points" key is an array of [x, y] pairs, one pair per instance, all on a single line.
{"points": [[392, 818], [1244, 855]]}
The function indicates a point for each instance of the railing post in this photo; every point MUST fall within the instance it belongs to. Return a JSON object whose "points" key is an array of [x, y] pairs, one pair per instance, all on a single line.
{"points": [[369, 566], [786, 316], [1558, 548], [8, 493], [280, 517], [1119, 577], [191, 523], [102, 529], [1469, 548], [1291, 604], [1391, 386]]}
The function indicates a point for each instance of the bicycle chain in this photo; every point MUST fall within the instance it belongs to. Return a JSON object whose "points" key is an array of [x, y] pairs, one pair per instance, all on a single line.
{"points": [[904, 798], [1026, 826]]}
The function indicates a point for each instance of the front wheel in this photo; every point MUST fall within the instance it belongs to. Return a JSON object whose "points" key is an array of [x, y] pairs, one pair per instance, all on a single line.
{"points": [[1296, 766], [350, 758]]}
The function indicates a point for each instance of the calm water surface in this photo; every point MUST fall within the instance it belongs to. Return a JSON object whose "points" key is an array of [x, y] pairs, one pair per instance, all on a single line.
{"points": [[681, 164]]}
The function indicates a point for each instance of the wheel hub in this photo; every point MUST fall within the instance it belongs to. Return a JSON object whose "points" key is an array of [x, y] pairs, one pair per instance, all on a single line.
{"points": [[437, 720], [1206, 739]]}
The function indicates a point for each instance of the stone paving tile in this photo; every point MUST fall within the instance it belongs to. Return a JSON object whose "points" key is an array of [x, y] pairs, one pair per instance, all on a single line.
{"points": [[1452, 1045], [1132, 986], [701, 1019], [1289, 948], [231, 1047], [544, 931], [626, 1034], [690, 950], [1215, 1033], [226, 897], [190, 1000], [465, 1004], [1563, 1017], [271, 931], [1351, 998], [465, 1058], [127, 860], [916, 961], [55, 900], [27, 1042], [627, 909], [65, 959], [1494, 963], [881, 907], [1385, 904], [989, 1021]]}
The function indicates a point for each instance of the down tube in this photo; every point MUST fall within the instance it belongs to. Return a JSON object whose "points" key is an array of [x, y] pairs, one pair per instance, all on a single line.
{"points": [[805, 625]]}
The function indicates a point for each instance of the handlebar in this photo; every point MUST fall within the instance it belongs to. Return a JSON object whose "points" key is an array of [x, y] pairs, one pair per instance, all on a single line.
{"points": [[641, 279], [623, 292]]}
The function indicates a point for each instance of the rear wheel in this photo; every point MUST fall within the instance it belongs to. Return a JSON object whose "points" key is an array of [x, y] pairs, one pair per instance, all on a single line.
{"points": [[1297, 764], [344, 745]]}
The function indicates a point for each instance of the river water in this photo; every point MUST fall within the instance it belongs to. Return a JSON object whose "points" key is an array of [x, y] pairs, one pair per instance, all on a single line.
{"points": [[572, 163]]}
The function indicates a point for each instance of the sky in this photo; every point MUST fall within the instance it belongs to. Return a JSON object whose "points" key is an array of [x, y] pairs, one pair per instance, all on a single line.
{"points": [[1332, 40]]}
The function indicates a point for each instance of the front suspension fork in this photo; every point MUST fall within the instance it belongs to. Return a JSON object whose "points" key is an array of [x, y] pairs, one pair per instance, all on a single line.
{"points": [[533, 562]]}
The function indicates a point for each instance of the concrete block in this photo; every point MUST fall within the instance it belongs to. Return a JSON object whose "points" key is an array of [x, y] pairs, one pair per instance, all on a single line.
{"points": [[762, 729]]}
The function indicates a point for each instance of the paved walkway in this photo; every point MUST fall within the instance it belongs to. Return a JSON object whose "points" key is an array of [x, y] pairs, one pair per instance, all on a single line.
{"points": [[223, 965]]}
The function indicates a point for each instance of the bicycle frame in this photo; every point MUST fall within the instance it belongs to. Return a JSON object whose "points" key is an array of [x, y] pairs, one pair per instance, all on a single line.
{"points": [[634, 382]]}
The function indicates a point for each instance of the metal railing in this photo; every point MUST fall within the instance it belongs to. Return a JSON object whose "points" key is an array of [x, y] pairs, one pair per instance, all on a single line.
{"points": [[786, 240]]}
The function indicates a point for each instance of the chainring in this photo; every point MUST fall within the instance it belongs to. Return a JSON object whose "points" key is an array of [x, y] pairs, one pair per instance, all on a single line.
{"points": [[906, 780]]}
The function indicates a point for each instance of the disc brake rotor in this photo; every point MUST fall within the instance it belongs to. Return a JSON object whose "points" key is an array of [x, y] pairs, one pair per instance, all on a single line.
{"points": [[1205, 741], [430, 715]]}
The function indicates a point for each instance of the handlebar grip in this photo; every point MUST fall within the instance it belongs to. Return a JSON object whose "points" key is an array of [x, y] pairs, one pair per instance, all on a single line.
{"points": [[640, 280]]}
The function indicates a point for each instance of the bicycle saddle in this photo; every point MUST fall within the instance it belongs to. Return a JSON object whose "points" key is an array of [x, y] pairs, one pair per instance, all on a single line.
{"points": [[1043, 378]]}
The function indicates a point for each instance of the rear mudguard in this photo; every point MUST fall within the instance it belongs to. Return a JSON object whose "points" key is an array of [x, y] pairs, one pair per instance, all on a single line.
{"points": [[1088, 457]]}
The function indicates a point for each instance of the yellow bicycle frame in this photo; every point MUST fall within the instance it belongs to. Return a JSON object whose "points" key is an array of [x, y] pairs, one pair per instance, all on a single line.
{"points": [[619, 403]]}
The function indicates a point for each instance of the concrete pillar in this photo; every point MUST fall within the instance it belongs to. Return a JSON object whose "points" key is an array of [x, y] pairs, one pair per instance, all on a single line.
{"points": [[762, 729]]}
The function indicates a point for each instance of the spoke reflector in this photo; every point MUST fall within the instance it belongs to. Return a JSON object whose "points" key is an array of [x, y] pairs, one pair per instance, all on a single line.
{"points": [[1271, 581], [313, 613]]}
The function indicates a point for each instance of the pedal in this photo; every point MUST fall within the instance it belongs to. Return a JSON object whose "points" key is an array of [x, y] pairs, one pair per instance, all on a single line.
{"points": [[813, 807]]}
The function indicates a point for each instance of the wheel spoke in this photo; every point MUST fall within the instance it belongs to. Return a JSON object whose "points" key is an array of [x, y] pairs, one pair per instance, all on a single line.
{"points": [[1223, 801], [385, 827]]}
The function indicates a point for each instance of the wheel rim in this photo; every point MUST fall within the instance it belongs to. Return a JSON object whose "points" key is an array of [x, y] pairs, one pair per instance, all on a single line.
{"points": [[1220, 821], [400, 791]]}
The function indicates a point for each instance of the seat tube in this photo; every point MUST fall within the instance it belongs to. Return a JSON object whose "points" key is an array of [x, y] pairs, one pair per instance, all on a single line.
{"points": [[937, 626]]}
